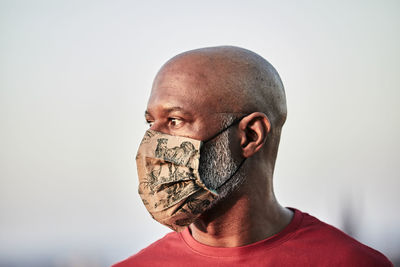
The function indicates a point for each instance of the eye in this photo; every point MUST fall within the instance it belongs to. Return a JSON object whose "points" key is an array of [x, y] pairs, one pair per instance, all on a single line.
{"points": [[174, 122], [150, 123]]}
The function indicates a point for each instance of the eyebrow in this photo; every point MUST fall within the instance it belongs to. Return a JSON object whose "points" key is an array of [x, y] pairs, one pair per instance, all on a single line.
{"points": [[168, 110]]}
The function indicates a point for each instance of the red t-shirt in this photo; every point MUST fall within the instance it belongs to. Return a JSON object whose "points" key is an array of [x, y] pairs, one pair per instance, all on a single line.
{"points": [[306, 241]]}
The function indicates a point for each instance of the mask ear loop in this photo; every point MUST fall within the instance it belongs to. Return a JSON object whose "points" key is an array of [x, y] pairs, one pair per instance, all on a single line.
{"points": [[241, 163], [236, 121], [233, 174]]}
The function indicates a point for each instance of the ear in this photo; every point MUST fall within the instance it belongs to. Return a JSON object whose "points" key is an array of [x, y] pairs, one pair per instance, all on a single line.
{"points": [[253, 131]]}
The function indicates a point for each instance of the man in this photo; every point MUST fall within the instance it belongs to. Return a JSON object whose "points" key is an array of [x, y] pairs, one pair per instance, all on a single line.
{"points": [[229, 104]]}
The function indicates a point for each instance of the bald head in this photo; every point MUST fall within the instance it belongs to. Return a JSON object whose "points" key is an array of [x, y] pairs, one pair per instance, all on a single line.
{"points": [[233, 101], [228, 80]]}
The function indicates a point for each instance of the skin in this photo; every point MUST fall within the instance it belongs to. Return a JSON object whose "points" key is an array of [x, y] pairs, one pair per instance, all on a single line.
{"points": [[189, 95]]}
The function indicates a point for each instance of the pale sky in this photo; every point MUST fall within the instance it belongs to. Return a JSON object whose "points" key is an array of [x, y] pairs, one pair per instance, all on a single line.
{"points": [[74, 81]]}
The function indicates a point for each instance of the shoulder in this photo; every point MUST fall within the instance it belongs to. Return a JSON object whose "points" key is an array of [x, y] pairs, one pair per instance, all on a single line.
{"points": [[153, 252], [336, 245]]}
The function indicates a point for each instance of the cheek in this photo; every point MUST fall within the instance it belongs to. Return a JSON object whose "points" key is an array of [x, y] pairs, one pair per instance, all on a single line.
{"points": [[207, 126]]}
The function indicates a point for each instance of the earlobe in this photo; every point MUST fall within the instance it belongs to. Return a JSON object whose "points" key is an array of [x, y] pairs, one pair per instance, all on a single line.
{"points": [[254, 129]]}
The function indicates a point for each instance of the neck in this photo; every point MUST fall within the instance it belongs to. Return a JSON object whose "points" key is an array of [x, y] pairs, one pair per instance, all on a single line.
{"points": [[241, 219]]}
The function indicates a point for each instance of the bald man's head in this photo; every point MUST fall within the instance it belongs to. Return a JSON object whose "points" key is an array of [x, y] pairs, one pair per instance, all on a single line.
{"points": [[198, 93], [228, 80]]}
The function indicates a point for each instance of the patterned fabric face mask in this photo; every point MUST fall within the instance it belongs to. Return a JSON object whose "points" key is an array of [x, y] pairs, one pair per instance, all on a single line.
{"points": [[169, 180]]}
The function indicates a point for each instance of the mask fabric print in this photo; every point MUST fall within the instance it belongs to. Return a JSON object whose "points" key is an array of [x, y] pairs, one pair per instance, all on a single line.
{"points": [[170, 185], [169, 180]]}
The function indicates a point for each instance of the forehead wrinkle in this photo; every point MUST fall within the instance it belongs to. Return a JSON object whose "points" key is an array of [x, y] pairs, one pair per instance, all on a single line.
{"points": [[168, 110]]}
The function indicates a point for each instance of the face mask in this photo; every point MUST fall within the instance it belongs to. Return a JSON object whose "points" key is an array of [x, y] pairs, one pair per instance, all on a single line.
{"points": [[169, 182]]}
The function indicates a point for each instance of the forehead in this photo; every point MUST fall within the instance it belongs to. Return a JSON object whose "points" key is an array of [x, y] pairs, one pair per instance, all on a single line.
{"points": [[190, 91]]}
